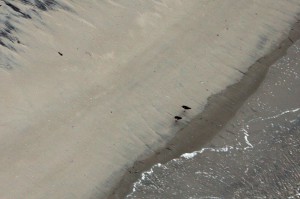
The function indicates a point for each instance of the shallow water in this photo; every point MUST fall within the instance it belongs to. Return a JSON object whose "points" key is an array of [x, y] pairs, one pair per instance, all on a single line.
{"points": [[256, 155]]}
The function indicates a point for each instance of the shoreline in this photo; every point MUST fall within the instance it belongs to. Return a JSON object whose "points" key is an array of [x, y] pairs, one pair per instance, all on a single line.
{"points": [[255, 155], [99, 90], [213, 118]]}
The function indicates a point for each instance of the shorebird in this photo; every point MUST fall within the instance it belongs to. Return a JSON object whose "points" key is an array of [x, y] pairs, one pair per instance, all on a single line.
{"points": [[177, 118], [186, 107]]}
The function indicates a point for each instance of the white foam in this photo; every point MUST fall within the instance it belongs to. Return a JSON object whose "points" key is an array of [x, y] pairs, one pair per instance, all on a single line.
{"points": [[282, 113], [189, 155], [246, 139]]}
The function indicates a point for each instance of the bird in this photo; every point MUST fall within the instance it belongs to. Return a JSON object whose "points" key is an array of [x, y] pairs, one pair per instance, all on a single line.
{"points": [[186, 107], [177, 118]]}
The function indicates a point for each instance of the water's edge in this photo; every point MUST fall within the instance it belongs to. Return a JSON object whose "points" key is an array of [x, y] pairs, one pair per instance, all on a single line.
{"points": [[219, 110]]}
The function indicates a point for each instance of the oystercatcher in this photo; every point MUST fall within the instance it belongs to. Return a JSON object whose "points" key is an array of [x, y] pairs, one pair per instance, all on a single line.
{"points": [[186, 107], [177, 118]]}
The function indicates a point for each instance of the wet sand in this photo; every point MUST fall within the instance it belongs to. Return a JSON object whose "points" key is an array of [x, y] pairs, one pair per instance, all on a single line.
{"points": [[219, 113]]}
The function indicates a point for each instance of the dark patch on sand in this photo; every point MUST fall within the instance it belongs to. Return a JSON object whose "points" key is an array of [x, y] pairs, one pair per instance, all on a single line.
{"points": [[262, 42], [17, 10], [32, 8]]}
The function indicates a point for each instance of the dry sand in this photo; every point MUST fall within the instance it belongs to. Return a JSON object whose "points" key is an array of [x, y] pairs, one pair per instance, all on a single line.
{"points": [[70, 125]]}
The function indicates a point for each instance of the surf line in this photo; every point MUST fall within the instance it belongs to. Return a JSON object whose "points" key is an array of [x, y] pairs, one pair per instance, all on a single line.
{"points": [[227, 148]]}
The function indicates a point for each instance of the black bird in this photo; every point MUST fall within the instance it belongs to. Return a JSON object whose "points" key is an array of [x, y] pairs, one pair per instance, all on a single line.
{"points": [[186, 107], [177, 118]]}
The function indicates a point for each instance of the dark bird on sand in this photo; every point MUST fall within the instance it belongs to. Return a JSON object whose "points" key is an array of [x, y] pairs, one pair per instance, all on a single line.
{"points": [[186, 107], [177, 118]]}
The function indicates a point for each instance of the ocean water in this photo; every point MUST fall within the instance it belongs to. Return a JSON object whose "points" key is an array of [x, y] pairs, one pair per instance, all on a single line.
{"points": [[257, 154]]}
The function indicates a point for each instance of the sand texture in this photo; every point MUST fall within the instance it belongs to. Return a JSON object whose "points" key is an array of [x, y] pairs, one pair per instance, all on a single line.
{"points": [[87, 87]]}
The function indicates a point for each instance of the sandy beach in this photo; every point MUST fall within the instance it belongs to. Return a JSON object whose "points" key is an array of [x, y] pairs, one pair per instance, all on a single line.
{"points": [[255, 154], [88, 88]]}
